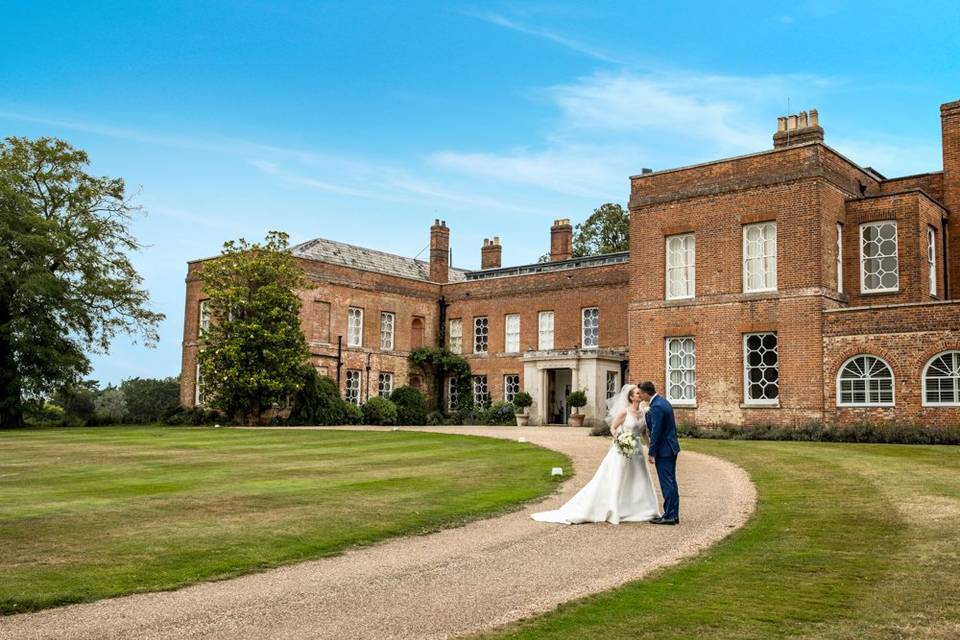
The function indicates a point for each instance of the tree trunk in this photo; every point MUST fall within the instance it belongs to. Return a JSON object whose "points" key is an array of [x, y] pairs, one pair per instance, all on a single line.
{"points": [[11, 401]]}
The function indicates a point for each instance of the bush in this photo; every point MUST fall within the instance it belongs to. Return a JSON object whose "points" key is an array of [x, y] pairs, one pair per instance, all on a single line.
{"points": [[436, 418], [577, 399], [318, 402], [110, 406], [522, 401], [192, 416], [867, 432], [150, 399], [42, 413], [379, 410], [411, 405], [352, 414], [499, 413]]}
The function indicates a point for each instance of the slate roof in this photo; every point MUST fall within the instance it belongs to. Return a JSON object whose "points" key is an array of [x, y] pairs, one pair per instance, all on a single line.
{"points": [[349, 255]]}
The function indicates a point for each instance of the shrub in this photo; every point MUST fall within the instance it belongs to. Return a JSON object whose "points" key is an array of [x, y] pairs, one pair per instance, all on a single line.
{"points": [[577, 399], [379, 410], [867, 432], [352, 414], [522, 401], [318, 402], [110, 406], [499, 413], [79, 403], [192, 416], [411, 405], [436, 418], [42, 413], [150, 399]]}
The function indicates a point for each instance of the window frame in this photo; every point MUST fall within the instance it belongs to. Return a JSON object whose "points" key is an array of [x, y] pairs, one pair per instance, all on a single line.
{"points": [[839, 252], [680, 402], [507, 334], [459, 337], [453, 393], [476, 335], [384, 376], [745, 278], [932, 260], [688, 269], [868, 404], [393, 330], [863, 258], [203, 317], [747, 400], [199, 396], [350, 316], [506, 393], [541, 345], [583, 328], [611, 376], [923, 379], [474, 380], [346, 388]]}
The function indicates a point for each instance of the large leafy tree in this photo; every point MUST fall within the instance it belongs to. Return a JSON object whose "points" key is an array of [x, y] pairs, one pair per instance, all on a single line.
{"points": [[67, 286], [251, 356], [607, 230]]}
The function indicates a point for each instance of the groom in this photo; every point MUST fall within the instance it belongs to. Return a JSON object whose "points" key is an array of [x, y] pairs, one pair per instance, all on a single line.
{"points": [[664, 448]]}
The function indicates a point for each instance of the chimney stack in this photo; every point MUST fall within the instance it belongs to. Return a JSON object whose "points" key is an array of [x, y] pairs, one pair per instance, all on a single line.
{"points": [[798, 128], [490, 253], [950, 135], [439, 252], [561, 240]]}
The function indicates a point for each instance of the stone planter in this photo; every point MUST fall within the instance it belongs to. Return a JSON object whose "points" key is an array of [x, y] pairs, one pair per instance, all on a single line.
{"points": [[576, 419], [522, 419]]}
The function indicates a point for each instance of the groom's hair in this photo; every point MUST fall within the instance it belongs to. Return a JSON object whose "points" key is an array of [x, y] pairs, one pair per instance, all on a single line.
{"points": [[647, 387]]}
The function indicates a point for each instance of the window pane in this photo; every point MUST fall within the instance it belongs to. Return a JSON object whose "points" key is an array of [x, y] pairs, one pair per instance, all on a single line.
{"points": [[879, 263], [481, 334], [761, 368], [681, 370]]}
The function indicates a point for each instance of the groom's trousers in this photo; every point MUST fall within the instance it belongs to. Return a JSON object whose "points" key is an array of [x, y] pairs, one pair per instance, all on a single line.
{"points": [[667, 473]]}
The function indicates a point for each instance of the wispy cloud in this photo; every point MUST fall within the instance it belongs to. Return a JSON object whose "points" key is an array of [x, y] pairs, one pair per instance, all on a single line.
{"points": [[546, 34]]}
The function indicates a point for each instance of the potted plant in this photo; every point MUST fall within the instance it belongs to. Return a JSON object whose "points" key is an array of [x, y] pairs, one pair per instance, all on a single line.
{"points": [[576, 399], [522, 401]]}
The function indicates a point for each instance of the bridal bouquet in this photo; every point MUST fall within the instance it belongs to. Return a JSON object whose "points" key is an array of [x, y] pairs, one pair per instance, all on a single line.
{"points": [[626, 443]]}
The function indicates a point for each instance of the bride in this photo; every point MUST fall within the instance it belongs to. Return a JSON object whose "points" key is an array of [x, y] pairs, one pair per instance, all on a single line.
{"points": [[621, 490]]}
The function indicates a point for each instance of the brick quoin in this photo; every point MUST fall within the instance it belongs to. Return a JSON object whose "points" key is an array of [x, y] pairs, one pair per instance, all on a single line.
{"points": [[802, 184]]}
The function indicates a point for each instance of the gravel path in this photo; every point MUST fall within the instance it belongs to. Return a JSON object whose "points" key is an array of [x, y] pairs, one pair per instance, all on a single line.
{"points": [[440, 585]]}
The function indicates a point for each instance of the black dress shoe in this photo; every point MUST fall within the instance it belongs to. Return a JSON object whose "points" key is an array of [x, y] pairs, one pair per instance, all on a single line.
{"points": [[665, 521]]}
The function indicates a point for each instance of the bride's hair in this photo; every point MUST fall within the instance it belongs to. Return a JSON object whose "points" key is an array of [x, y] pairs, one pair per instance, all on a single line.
{"points": [[619, 402]]}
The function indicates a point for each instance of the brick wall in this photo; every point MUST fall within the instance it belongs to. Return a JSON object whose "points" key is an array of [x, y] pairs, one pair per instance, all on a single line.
{"points": [[906, 337], [950, 131], [914, 212]]}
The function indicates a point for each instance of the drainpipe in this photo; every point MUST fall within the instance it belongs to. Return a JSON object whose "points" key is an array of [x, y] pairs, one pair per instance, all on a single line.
{"points": [[946, 259], [442, 341], [339, 358], [367, 392]]}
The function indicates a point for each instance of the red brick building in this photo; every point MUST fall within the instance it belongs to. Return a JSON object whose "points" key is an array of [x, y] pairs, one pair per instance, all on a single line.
{"points": [[782, 286]]}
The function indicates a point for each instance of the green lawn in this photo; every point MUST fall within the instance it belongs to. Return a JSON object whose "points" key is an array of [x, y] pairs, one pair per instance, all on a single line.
{"points": [[849, 541], [91, 513]]}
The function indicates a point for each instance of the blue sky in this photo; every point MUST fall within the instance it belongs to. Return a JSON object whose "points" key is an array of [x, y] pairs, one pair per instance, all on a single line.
{"points": [[362, 122]]}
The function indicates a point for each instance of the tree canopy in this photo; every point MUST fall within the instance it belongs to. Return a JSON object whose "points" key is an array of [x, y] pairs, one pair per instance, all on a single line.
{"points": [[67, 286], [607, 230], [252, 354]]}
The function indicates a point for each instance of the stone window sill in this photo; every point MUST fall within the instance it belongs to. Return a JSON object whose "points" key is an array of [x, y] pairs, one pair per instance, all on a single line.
{"points": [[748, 405]]}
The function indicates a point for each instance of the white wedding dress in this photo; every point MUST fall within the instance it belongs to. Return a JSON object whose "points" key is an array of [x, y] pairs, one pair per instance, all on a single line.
{"points": [[621, 490]]}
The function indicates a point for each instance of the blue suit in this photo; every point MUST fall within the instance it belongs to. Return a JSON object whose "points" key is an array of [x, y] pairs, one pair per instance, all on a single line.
{"points": [[664, 447]]}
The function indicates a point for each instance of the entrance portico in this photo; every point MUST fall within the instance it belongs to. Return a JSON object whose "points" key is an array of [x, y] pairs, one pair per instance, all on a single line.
{"points": [[550, 375]]}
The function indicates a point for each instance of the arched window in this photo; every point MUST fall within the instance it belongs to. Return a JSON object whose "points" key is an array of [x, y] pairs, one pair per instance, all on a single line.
{"points": [[941, 380], [865, 381]]}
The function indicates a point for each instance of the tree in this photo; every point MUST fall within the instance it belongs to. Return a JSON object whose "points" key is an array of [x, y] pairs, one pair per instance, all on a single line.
{"points": [[607, 230], [67, 286], [150, 399], [252, 355], [110, 405]]}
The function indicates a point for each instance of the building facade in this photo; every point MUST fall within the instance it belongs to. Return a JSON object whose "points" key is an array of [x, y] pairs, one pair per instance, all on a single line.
{"points": [[783, 286]]}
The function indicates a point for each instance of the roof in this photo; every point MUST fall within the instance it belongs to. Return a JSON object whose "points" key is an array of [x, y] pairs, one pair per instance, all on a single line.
{"points": [[556, 265], [350, 255]]}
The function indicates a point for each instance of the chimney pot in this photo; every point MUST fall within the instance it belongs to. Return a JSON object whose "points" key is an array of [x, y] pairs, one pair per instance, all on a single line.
{"points": [[490, 253], [561, 240], [782, 123], [644, 171], [814, 118]]}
